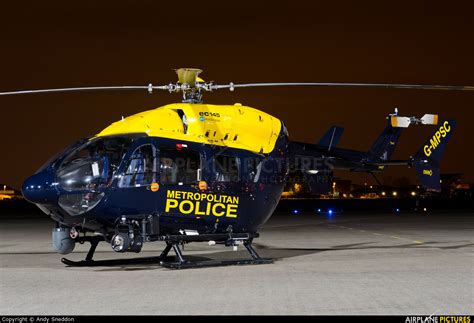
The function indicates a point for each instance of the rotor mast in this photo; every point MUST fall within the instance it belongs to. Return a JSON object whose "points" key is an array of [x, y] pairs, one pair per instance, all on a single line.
{"points": [[188, 80]]}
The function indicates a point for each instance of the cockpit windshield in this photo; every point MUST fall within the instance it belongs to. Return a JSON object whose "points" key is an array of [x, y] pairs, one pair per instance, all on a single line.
{"points": [[93, 164]]}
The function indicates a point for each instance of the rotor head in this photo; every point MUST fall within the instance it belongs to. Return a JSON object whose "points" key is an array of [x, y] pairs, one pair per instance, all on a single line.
{"points": [[188, 76]]}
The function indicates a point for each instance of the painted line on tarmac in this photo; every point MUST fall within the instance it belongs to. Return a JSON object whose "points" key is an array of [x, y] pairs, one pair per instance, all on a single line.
{"points": [[378, 234]]}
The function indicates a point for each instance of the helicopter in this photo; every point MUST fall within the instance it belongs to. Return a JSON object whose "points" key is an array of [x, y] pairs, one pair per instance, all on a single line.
{"points": [[194, 172]]}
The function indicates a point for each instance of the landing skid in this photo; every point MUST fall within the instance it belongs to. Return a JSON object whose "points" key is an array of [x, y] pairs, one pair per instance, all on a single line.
{"points": [[111, 262], [180, 263]]}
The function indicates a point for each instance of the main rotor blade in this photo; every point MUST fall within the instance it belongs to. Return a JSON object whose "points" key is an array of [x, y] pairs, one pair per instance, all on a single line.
{"points": [[149, 88], [231, 86], [210, 87]]}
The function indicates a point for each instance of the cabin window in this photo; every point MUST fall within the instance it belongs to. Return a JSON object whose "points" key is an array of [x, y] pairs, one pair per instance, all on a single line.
{"points": [[226, 168], [179, 167], [141, 169]]}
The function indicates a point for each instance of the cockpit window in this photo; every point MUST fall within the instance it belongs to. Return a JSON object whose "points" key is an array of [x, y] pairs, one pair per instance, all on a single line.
{"points": [[53, 159], [141, 169], [93, 164]]}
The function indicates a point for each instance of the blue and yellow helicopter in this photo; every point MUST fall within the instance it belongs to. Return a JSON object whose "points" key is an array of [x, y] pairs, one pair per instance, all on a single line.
{"points": [[195, 172]]}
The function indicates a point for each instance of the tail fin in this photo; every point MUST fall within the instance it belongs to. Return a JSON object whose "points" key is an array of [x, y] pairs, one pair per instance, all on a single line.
{"points": [[426, 160], [331, 137], [384, 146]]}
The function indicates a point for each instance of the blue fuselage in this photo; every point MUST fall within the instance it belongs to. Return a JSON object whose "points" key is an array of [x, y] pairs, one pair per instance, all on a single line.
{"points": [[96, 182]]}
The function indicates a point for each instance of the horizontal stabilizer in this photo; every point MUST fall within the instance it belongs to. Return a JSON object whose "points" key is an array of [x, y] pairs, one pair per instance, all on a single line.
{"points": [[404, 122], [331, 138]]}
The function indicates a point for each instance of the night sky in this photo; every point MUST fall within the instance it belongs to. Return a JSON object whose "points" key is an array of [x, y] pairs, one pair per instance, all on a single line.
{"points": [[98, 43]]}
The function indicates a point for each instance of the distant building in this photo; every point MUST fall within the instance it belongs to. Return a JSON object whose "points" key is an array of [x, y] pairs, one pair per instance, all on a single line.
{"points": [[342, 188], [8, 193], [453, 185]]}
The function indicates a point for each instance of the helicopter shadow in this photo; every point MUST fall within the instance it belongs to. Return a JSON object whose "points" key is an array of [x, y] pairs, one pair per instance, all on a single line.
{"points": [[280, 253], [277, 253]]}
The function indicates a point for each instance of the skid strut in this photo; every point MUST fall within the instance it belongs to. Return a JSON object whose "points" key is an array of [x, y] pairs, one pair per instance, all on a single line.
{"points": [[182, 263], [89, 262]]}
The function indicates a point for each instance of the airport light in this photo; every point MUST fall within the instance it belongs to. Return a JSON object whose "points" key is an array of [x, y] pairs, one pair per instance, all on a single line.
{"points": [[383, 193], [297, 188], [413, 193], [295, 211], [394, 193]]}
